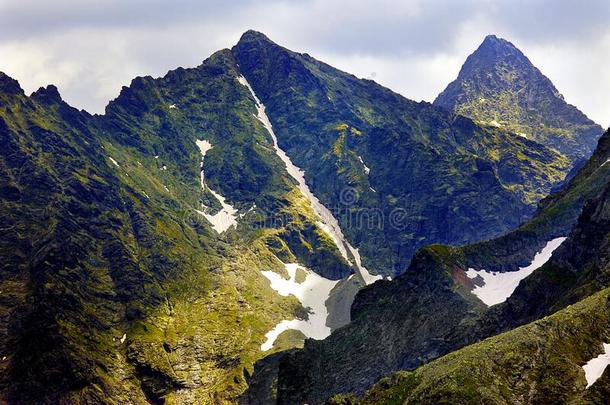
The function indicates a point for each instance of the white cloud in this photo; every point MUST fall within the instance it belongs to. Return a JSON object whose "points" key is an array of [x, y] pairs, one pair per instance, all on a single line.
{"points": [[580, 72], [90, 48], [418, 77]]}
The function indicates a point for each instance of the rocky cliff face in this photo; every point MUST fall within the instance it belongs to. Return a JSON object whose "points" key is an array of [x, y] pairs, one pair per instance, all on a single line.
{"points": [[543, 361], [555, 217], [578, 269], [67, 233], [498, 86], [395, 325]]}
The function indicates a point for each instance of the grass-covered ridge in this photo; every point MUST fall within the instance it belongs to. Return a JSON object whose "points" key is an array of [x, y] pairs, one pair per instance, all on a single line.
{"points": [[537, 363]]}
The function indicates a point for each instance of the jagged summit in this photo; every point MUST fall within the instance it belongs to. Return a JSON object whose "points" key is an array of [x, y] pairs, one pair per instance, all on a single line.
{"points": [[494, 40], [499, 86], [491, 52], [494, 47], [253, 34], [47, 94], [254, 41], [9, 85]]}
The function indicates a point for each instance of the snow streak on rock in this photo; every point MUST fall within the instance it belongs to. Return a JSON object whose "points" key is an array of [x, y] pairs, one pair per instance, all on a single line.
{"points": [[366, 168], [496, 287], [113, 161], [227, 216], [312, 292], [331, 225], [596, 366]]}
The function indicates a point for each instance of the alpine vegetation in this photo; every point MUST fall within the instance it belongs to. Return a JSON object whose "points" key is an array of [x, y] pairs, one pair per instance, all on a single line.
{"points": [[264, 228]]}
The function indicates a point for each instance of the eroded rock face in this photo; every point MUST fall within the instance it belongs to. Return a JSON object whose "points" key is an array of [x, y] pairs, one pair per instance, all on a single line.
{"points": [[541, 362], [63, 291], [545, 360], [412, 320]]}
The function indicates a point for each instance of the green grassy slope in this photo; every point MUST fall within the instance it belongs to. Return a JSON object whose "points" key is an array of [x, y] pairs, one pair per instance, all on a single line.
{"points": [[537, 363]]}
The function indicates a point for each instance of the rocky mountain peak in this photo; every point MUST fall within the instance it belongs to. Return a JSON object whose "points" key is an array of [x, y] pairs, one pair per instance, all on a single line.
{"points": [[499, 86], [49, 94], [493, 41], [253, 35], [495, 50], [492, 55], [253, 39]]}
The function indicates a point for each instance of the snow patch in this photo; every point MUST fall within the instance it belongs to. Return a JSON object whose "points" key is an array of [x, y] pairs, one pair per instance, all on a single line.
{"points": [[366, 169], [252, 208], [596, 366], [368, 277], [495, 123], [114, 161], [227, 216], [331, 225], [497, 286], [312, 293]]}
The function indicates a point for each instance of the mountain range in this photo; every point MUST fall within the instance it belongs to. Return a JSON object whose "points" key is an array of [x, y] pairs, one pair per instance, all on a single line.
{"points": [[435, 307], [197, 241]]}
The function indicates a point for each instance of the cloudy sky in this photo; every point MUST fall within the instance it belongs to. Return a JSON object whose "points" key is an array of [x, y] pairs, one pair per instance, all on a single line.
{"points": [[90, 48]]}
